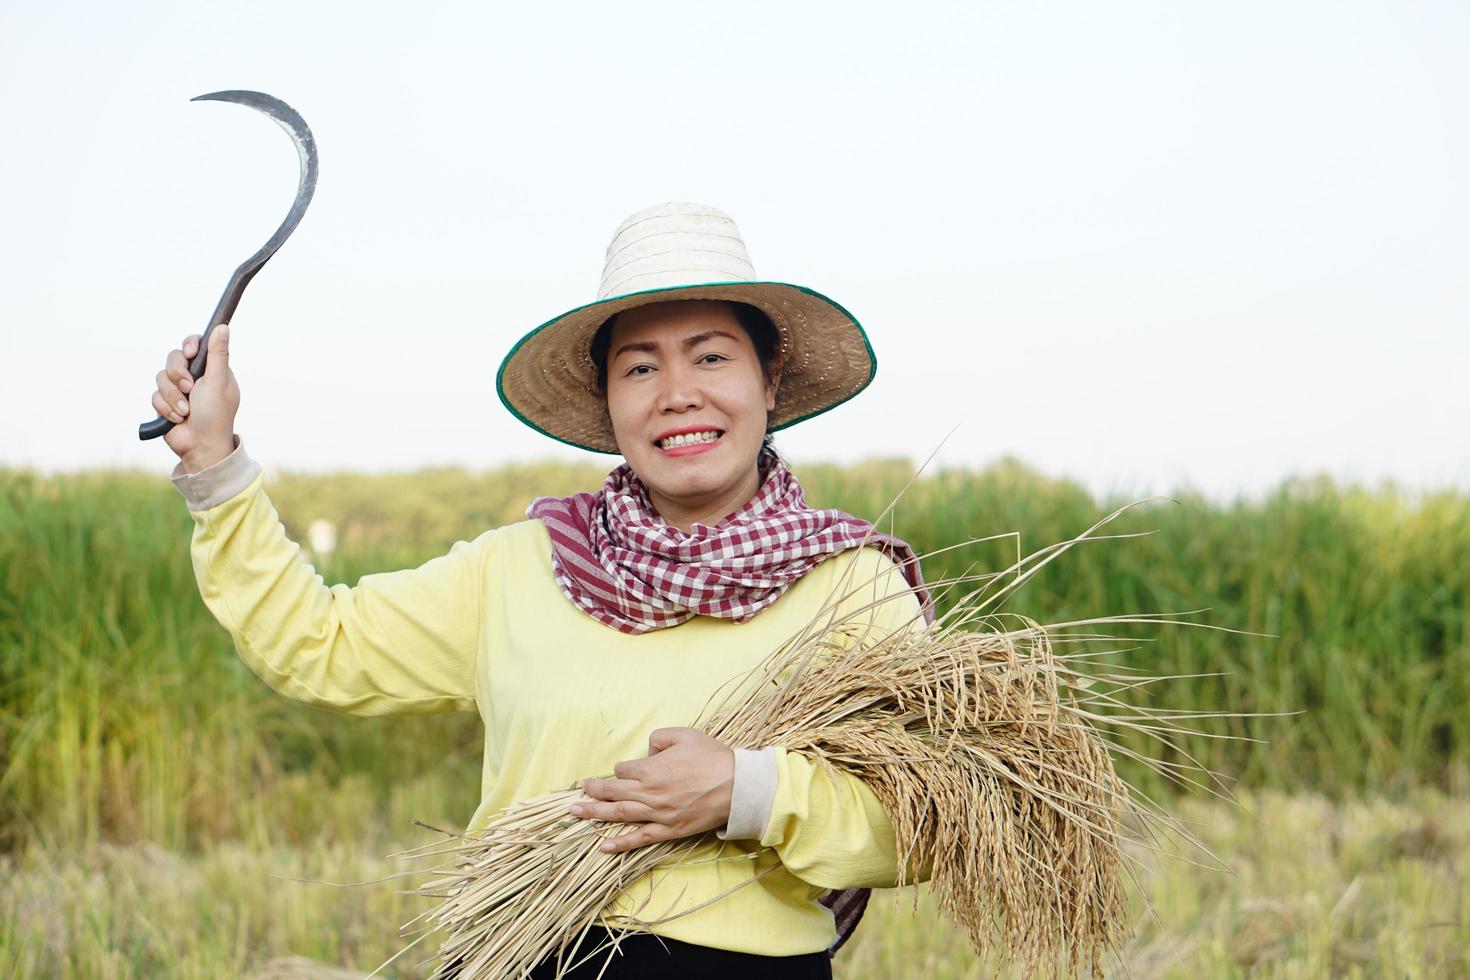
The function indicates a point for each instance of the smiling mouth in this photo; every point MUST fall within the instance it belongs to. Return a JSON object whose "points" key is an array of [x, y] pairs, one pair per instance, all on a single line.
{"points": [[690, 439]]}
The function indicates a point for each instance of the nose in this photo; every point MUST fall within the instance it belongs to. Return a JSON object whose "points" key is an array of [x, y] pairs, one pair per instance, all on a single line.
{"points": [[679, 390]]}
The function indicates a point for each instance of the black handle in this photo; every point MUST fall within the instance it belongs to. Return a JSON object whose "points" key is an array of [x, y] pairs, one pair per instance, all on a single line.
{"points": [[160, 425]]}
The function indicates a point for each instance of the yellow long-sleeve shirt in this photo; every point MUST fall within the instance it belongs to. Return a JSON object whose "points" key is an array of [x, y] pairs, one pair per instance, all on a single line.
{"points": [[486, 628]]}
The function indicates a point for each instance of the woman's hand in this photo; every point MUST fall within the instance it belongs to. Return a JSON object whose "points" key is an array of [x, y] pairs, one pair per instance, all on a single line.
{"points": [[203, 411], [681, 788]]}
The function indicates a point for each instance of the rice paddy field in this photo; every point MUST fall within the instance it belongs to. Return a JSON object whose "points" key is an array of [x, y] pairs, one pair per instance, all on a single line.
{"points": [[160, 806]]}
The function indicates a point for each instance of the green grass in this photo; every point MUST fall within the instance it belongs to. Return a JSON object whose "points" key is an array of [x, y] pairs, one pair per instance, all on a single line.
{"points": [[125, 713], [1318, 888], [129, 726]]}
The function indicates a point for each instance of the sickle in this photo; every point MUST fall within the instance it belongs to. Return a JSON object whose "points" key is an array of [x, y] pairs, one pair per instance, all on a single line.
{"points": [[296, 127]]}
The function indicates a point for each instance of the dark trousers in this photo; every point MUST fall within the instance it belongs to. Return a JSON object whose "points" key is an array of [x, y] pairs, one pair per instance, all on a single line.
{"points": [[643, 956]]}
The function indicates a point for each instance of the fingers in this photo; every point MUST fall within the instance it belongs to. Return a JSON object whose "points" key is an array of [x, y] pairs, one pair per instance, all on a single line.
{"points": [[663, 738], [177, 364], [613, 789], [177, 370], [629, 769], [163, 408], [170, 396], [175, 381], [649, 833], [620, 811], [218, 362], [621, 800]]}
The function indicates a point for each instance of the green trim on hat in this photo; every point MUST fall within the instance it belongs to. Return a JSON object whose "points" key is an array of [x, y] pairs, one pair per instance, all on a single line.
{"points": [[505, 362]]}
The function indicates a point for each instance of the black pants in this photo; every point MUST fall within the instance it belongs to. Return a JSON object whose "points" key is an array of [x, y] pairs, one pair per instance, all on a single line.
{"points": [[643, 956]]}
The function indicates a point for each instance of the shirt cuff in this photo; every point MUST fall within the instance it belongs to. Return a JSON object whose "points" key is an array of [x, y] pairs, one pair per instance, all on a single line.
{"points": [[215, 484], [751, 796]]}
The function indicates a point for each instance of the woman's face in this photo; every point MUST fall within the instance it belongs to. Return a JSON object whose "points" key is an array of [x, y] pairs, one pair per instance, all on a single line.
{"points": [[688, 369]]}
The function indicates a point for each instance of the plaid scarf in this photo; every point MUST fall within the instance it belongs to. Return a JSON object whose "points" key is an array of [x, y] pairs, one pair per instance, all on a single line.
{"points": [[618, 562]]}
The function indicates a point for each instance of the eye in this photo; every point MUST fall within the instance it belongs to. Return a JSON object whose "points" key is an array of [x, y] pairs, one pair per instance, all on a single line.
{"points": [[635, 369], [704, 359]]}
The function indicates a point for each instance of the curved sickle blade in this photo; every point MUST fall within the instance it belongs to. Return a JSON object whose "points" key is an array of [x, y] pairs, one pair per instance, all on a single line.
{"points": [[289, 120]]}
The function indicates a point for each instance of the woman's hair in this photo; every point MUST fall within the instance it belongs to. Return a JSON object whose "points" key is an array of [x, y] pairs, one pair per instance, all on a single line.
{"points": [[762, 332]]}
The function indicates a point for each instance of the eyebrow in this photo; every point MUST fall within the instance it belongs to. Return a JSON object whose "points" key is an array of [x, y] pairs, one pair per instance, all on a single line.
{"points": [[695, 341]]}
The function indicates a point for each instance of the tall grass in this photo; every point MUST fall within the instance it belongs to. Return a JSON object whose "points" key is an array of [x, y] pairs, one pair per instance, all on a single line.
{"points": [[1352, 888], [125, 714]]}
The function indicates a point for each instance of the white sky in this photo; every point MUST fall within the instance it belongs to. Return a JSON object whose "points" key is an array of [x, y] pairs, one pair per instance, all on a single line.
{"points": [[1140, 244]]}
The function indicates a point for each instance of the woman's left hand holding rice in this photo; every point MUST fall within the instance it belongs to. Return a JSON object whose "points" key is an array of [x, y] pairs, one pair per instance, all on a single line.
{"points": [[681, 788]]}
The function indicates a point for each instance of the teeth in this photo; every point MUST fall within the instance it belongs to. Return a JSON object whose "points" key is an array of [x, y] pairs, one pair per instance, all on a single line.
{"points": [[689, 439]]}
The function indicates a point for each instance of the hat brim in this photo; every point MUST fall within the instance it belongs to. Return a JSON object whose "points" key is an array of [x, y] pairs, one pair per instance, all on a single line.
{"points": [[549, 381]]}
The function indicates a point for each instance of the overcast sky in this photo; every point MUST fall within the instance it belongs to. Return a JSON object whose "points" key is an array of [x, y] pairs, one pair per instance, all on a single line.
{"points": [[1140, 244]]}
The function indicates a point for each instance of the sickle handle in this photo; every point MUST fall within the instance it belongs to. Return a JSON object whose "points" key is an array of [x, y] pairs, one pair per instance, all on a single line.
{"points": [[222, 313], [161, 425]]}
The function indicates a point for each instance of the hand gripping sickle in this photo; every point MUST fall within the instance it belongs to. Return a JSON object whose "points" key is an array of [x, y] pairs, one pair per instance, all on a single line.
{"points": [[293, 124]]}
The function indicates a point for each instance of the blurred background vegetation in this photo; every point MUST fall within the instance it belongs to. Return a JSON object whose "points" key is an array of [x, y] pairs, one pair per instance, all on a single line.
{"points": [[127, 719]]}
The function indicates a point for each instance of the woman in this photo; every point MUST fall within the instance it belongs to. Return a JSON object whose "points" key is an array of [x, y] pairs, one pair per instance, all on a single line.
{"points": [[589, 634]]}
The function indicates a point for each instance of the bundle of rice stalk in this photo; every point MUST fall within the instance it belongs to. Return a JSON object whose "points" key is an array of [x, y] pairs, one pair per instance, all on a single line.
{"points": [[983, 735]]}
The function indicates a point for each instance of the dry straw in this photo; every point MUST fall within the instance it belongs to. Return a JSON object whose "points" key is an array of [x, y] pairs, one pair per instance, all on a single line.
{"points": [[985, 736]]}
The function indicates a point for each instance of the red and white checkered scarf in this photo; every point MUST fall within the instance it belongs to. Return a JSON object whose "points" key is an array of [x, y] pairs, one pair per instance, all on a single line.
{"points": [[617, 561]]}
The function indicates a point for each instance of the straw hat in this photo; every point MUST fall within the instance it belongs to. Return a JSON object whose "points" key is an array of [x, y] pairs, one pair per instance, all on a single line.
{"points": [[681, 250]]}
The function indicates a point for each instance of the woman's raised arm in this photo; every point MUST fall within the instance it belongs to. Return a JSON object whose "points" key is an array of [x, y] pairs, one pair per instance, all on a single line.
{"points": [[402, 642], [399, 643]]}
